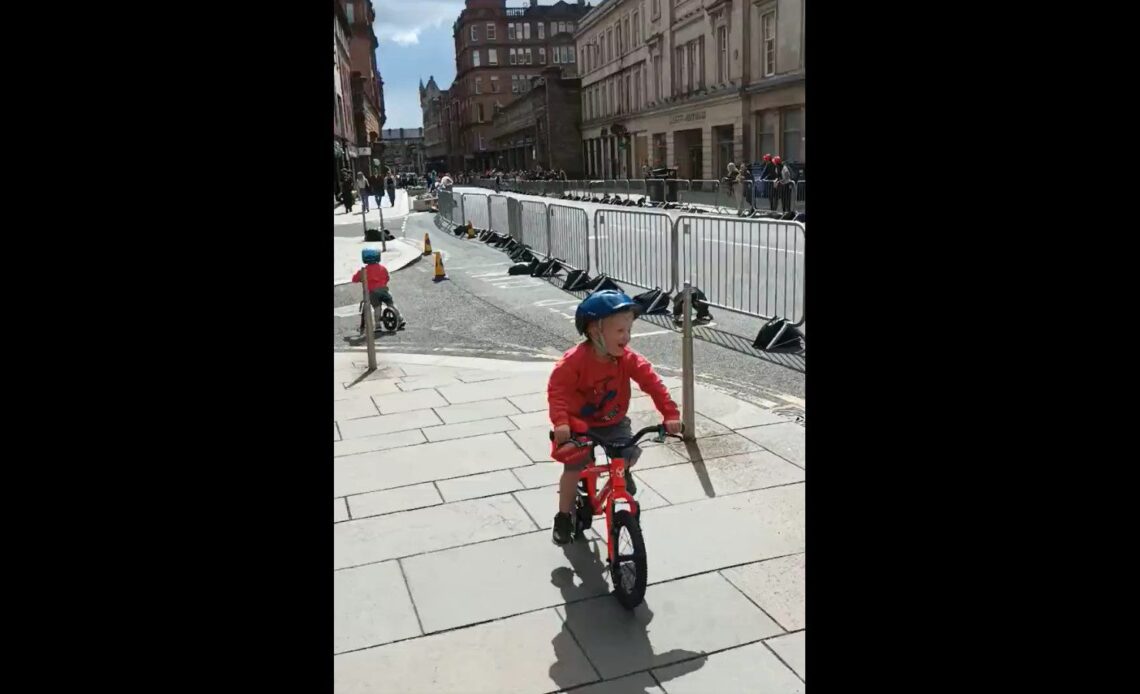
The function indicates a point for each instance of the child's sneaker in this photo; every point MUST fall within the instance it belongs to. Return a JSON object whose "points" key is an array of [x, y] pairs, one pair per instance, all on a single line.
{"points": [[563, 529]]}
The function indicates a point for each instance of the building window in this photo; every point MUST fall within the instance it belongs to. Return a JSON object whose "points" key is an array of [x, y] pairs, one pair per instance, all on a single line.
{"points": [[625, 33], [769, 33], [511, 32], [570, 52], [528, 56], [478, 85], [541, 54], [474, 33], [513, 57], [656, 5], [636, 28], [793, 125], [609, 45], [514, 84], [557, 54], [657, 78], [478, 107], [628, 92], [722, 54], [492, 56], [475, 58], [494, 85], [620, 45], [766, 133], [542, 30], [526, 31], [678, 68]]}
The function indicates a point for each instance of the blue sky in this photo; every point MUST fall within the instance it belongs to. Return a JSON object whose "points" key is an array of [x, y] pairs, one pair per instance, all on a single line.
{"points": [[415, 42]]}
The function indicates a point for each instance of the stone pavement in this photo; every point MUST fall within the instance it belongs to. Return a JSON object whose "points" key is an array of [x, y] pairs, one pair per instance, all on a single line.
{"points": [[446, 579], [400, 209], [346, 254]]}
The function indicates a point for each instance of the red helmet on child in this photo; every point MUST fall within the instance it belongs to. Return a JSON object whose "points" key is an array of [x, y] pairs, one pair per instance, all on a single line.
{"points": [[767, 157], [776, 160]]}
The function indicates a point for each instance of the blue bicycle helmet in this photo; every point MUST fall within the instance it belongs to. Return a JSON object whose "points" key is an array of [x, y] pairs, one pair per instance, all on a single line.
{"points": [[598, 305], [370, 255]]}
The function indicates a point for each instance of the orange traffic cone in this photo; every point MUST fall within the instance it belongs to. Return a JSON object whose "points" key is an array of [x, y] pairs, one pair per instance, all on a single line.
{"points": [[427, 244], [440, 275], [470, 231]]}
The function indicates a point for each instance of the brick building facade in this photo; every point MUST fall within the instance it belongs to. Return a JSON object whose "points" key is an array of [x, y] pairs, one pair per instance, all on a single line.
{"points": [[367, 88], [541, 129], [498, 50]]}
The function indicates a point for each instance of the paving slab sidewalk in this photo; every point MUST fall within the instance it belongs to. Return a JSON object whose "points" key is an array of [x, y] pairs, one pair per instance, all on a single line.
{"points": [[446, 578]]}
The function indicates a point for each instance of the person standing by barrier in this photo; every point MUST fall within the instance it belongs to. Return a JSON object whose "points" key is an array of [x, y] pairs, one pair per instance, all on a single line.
{"points": [[784, 185], [769, 175], [498, 181], [730, 178]]}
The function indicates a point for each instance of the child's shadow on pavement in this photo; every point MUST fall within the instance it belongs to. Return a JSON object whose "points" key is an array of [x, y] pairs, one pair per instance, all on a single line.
{"points": [[615, 639]]}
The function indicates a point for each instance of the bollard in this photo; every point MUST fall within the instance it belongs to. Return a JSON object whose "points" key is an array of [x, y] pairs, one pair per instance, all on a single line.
{"points": [[369, 321], [688, 414]]}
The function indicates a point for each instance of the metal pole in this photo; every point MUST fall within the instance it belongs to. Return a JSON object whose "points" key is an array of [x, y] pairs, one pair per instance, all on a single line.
{"points": [[369, 321], [383, 232], [688, 412]]}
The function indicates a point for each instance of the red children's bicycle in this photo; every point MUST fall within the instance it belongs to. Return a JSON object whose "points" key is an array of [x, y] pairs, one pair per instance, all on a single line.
{"points": [[626, 546]]}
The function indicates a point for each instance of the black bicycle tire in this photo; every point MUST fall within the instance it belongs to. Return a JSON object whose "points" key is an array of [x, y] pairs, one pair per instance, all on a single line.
{"points": [[388, 318], [628, 600]]}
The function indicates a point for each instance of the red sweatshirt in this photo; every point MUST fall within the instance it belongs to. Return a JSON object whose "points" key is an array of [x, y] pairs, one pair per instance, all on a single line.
{"points": [[377, 276], [580, 384]]}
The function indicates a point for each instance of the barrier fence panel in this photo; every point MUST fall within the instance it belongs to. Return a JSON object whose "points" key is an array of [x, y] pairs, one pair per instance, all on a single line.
{"points": [[637, 188], [446, 203], [475, 209], [535, 232], [702, 192], [635, 247], [749, 266], [514, 217], [570, 236], [499, 218]]}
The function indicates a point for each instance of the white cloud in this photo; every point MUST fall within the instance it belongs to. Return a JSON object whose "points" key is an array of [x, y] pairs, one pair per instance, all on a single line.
{"points": [[402, 22]]}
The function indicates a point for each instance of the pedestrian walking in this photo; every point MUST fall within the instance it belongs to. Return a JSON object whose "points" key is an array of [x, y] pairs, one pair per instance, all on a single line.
{"points": [[346, 190], [362, 189], [390, 184], [730, 178]]}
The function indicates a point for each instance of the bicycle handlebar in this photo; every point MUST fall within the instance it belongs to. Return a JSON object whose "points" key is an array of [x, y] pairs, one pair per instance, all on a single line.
{"points": [[658, 428]]}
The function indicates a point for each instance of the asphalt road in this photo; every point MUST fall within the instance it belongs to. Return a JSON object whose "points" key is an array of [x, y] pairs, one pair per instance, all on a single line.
{"points": [[482, 311]]}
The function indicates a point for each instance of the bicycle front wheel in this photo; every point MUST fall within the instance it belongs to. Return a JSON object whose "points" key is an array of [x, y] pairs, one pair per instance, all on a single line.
{"points": [[628, 570]]}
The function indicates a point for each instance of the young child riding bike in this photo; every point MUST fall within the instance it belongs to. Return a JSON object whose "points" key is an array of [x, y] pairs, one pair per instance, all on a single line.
{"points": [[377, 286], [589, 391]]}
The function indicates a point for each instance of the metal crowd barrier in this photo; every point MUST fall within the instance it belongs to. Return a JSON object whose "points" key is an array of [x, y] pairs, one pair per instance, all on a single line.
{"points": [[753, 267], [749, 266], [570, 236], [498, 214], [535, 229], [450, 206], [475, 210], [636, 247], [446, 204], [702, 192]]}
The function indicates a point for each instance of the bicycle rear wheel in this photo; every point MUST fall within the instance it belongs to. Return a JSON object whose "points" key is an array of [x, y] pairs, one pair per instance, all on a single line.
{"points": [[388, 320], [628, 570]]}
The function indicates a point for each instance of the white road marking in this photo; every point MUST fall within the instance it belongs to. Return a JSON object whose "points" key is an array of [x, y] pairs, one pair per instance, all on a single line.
{"points": [[652, 332], [555, 302]]}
